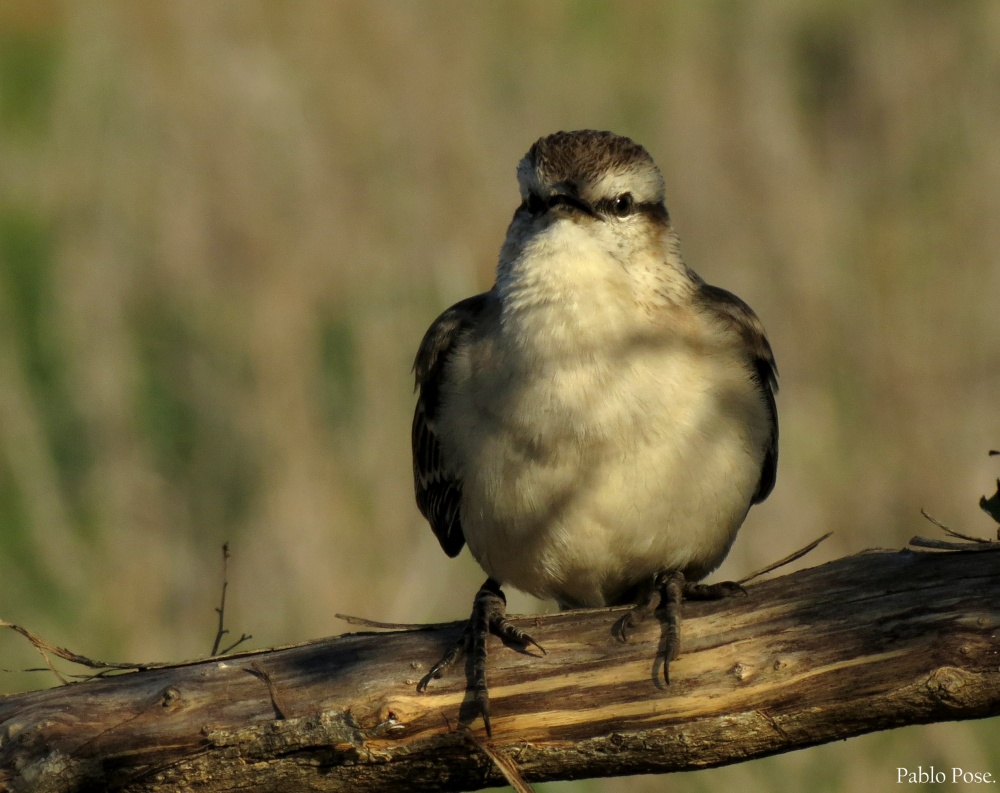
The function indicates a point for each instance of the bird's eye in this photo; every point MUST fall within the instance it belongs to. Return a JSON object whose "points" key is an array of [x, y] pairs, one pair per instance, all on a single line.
{"points": [[535, 204], [623, 205]]}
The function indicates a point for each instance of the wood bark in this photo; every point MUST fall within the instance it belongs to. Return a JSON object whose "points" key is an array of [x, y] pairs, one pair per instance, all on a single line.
{"points": [[870, 642]]}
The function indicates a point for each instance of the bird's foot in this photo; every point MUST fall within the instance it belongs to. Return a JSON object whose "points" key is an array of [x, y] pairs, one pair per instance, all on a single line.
{"points": [[665, 593], [489, 615]]}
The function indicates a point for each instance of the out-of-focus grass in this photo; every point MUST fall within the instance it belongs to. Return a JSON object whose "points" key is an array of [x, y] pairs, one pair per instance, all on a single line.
{"points": [[225, 226]]}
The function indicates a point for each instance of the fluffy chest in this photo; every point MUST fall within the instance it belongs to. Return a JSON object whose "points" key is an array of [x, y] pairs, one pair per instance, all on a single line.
{"points": [[581, 479], [601, 432], [561, 408], [529, 416]]}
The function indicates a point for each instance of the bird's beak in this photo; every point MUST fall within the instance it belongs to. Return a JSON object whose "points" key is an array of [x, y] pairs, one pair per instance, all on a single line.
{"points": [[565, 204]]}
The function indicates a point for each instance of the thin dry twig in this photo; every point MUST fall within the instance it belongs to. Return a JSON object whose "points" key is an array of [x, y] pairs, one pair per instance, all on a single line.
{"points": [[946, 545], [968, 542], [504, 764], [221, 611], [361, 622], [44, 648], [949, 530], [49, 666], [277, 703], [794, 557], [244, 637], [105, 668]]}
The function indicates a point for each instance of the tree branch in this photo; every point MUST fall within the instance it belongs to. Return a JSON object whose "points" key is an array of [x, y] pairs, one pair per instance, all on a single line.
{"points": [[870, 642]]}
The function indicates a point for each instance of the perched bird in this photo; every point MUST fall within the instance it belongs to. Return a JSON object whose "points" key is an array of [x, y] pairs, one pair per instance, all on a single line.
{"points": [[597, 425]]}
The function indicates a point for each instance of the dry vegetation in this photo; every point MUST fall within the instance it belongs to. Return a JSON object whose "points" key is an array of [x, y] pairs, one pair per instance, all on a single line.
{"points": [[224, 226]]}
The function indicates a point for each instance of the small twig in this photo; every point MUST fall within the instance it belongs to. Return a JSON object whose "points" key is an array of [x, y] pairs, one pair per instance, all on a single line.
{"points": [[257, 671], [105, 668], [969, 543], [221, 610], [934, 520], [504, 764], [244, 637], [945, 545], [386, 626], [950, 531], [49, 666], [44, 648], [794, 557], [67, 675]]}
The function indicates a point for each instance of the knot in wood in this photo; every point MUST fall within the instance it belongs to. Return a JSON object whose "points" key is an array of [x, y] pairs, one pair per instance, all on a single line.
{"points": [[170, 698], [948, 686]]}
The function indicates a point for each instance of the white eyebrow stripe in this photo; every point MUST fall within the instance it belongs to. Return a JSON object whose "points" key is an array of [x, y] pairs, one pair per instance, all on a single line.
{"points": [[645, 186]]}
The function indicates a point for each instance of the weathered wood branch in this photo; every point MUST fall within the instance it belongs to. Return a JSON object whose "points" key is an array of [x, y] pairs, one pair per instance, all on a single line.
{"points": [[866, 643]]}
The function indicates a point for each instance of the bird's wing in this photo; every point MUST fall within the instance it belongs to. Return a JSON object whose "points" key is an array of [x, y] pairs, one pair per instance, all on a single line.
{"points": [[733, 311], [437, 486]]}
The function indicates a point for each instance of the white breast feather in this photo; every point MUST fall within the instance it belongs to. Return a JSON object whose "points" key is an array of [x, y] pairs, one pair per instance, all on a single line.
{"points": [[596, 449]]}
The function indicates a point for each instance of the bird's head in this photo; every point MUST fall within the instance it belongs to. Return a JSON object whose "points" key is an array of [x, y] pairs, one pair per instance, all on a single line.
{"points": [[598, 173], [595, 191]]}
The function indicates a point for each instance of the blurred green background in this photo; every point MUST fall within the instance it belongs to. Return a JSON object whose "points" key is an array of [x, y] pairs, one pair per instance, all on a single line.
{"points": [[224, 227]]}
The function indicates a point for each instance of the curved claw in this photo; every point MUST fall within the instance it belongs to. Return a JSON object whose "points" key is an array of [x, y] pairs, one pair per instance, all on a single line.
{"points": [[434, 674], [502, 628], [620, 630], [449, 658], [488, 616]]}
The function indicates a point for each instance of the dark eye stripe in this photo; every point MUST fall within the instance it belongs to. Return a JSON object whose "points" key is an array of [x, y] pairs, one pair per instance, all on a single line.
{"points": [[651, 209], [534, 203]]}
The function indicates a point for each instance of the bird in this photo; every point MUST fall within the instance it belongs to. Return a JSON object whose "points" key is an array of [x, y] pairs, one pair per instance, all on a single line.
{"points": [[598, 424]]}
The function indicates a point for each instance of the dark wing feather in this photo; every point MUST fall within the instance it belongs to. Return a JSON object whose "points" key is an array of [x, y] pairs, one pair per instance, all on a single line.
{"points": [[438, 489], [739, 315]]}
